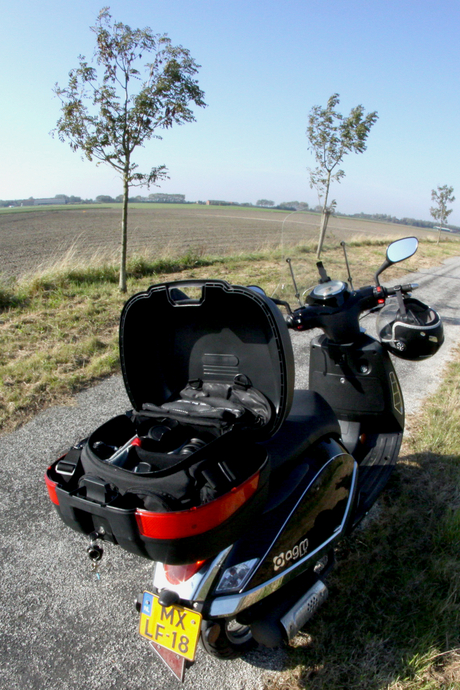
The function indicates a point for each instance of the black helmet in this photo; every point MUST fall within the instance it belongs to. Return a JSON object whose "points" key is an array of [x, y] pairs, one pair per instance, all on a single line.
{"points": [[410, 329]]}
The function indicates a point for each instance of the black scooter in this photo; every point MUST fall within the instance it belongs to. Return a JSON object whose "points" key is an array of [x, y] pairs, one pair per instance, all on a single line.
{"points": [[330, 460], [238, 486]]}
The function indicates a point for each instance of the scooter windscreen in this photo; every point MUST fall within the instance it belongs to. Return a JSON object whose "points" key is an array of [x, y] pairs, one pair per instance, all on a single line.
{"points": [[300, 272]]}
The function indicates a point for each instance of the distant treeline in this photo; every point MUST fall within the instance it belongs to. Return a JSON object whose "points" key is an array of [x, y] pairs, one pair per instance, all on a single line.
{"points": [[151, 198], [58, 199], [400, 221], [100, 199], [161, 198], [383, 217]]}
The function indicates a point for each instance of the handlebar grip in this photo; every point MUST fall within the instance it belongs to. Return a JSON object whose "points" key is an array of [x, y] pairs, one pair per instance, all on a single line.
{"points": [[404, 288], [301, 320]]}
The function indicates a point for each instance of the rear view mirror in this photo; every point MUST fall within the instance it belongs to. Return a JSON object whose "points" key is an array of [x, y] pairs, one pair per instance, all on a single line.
{"points": [[397, 251], [402, 249]]}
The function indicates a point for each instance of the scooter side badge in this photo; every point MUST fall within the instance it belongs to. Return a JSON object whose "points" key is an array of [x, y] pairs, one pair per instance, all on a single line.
{"points": [[285, 558]]}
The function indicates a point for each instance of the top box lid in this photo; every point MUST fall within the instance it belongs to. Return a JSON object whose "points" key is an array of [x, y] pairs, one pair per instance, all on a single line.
{"points": [[209, 330]]}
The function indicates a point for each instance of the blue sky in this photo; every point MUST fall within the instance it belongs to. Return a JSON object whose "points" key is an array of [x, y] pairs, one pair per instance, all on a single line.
{"points": [[263, 66]]}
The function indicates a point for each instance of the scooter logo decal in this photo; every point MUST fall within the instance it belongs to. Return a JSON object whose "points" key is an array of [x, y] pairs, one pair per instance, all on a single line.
{"points": [[293, 554]]}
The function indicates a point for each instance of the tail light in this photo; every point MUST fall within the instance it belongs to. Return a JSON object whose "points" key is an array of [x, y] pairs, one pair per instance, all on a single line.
{"points": [[51, 486], [188, 523], [176, 574]]}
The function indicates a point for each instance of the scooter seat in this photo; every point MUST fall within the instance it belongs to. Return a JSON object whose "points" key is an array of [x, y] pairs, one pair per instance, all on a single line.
{"points": [[310, 419]]}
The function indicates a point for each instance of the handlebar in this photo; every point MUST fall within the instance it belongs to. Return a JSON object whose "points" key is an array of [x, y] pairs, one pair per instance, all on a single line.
{"points": [[409, 287], [339, 318], [335, 307]]}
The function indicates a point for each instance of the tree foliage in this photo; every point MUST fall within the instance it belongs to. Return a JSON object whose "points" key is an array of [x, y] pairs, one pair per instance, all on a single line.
{"points": [[441, 196], [332, 136], [111, 109]]}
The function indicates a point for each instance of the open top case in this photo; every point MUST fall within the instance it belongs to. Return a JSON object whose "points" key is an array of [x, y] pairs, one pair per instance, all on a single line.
{"points": [[209, 370]]}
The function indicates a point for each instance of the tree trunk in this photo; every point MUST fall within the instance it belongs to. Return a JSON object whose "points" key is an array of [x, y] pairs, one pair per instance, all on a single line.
{"points": [[124, 235], [440, 230], [324, 218], [322, 232]]}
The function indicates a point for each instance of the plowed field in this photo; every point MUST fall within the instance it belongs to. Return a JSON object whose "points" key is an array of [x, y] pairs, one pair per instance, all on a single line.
{"points": [[32, 239]]}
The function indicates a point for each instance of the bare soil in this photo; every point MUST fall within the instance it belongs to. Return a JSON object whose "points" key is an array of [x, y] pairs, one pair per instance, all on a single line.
{"points": [[37, 239]]}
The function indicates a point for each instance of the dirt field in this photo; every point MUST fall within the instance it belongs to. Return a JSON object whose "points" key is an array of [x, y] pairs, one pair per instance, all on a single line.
{"points": [[34, 239]]}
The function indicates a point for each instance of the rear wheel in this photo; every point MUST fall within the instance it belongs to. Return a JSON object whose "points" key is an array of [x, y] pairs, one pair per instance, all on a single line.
{"points": [[226, 639], [381, 454]]}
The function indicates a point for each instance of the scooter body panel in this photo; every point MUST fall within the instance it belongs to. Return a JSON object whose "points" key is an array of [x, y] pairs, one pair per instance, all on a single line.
{"points": [[358, 381], [318, 515], [286, 541]]}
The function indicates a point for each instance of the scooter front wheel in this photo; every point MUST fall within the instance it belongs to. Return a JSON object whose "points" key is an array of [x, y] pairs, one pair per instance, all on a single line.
{"points": [[226, 639]]}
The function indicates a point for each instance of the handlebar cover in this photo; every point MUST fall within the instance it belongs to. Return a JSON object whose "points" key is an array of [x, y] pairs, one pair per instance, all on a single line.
{"points": [[341, 322]]}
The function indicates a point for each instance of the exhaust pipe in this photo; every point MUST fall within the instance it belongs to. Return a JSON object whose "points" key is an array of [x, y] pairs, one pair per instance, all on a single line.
{"points": [[304, 609], [281, 623]]}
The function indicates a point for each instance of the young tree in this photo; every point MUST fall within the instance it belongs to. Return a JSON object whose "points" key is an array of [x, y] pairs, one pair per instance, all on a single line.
{"points": [[331, 137], [442, 196], [109, 110]]}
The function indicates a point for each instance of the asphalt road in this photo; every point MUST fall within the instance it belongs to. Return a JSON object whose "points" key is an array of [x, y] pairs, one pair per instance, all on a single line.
{"points": [[60, 627]]}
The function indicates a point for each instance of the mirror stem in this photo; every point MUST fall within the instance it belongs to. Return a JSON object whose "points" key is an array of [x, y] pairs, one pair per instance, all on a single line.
{"points": [[297, 293], [348, 267]]}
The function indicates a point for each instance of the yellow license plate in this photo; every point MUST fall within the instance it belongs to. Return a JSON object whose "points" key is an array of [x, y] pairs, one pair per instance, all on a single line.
{"points": [[175, 628]]}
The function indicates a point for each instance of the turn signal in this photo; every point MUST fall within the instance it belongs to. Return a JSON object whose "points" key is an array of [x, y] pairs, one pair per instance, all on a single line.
{"points": [[235, 576]]}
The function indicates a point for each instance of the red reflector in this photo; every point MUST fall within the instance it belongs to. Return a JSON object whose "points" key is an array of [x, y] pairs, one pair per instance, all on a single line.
{"points": [[175, 574], [187, 523], [51, 486], [381, 301]]}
